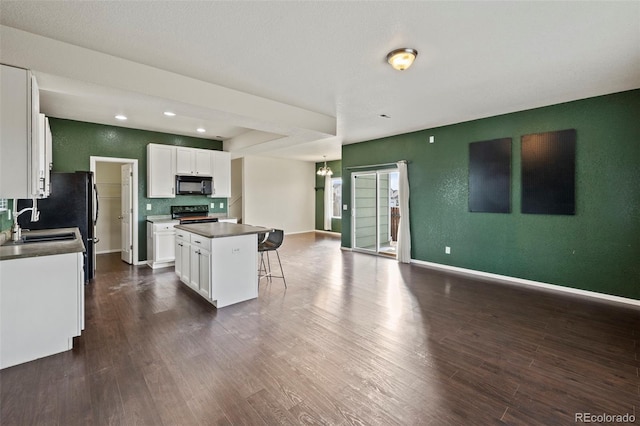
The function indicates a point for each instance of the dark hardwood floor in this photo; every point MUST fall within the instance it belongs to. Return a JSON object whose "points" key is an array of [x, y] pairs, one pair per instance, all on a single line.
{"points": [[355, 339]]}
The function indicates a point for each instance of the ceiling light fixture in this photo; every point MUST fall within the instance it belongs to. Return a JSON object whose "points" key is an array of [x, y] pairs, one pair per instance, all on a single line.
{"points": [[401, 59], [121, 117], [170, 114], [324, 170], [200, 130]]}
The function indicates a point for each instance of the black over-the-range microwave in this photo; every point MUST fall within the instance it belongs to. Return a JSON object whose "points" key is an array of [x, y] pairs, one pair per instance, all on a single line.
{"points": [[194, 185]]}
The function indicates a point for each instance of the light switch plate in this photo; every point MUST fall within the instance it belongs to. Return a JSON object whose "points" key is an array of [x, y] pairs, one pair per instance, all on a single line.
{"points": [[221, 205], [345, 207], [148, 206], [213, 205]]}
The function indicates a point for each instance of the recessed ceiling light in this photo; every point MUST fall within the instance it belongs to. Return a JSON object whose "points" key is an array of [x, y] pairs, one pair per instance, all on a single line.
{"points": [[170, 114], [200, 130], [121, 117]]}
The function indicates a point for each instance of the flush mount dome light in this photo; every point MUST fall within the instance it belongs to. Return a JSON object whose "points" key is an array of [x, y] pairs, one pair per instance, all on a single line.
{"points": [[121, 117], [200, 130], [401, 59]]}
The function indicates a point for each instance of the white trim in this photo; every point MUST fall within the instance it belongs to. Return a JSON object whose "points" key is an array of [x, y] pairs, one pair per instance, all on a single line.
{"points": [[298, 232], [139, 262], [332, 233], [93, 160], [108, 251], [528, 283], [346, 248]]}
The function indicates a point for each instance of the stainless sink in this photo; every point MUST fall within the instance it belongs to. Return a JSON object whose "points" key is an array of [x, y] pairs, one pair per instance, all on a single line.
{"points": [[58, 236], [28, 238]]}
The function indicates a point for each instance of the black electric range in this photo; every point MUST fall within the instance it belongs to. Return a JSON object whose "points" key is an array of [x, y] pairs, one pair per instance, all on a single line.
{"points": [[192, 214]]}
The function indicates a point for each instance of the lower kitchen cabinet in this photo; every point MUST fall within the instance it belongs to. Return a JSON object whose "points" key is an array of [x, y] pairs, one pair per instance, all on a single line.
{"points": [[41, 306], [183, 256], [161, 244], [200, 274], [222, 270]]}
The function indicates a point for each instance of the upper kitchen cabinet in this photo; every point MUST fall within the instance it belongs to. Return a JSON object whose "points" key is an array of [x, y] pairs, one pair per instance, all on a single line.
{"points": [[164, 162], [161, 171], [192, 161], [24, 171], [221, 162]]}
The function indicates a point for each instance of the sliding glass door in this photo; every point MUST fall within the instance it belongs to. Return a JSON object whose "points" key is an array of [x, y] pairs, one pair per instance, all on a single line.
{"points": [[375, 211]]}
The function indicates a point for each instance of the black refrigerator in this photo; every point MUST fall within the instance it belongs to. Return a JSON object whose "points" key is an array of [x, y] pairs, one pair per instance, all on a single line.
{"points": [[73, 202]]}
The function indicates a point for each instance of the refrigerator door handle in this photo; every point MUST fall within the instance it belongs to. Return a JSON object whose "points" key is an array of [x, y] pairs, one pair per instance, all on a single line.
{"points": [[95, 190]]}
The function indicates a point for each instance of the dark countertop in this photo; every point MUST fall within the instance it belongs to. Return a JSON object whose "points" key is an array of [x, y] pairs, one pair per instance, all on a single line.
{"points": [[222, 229], [12, 250]]}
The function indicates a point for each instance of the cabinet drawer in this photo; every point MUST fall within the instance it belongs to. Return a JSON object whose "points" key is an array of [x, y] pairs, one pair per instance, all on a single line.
{"points": [[183, 235], [159, 227], [200, 241]]}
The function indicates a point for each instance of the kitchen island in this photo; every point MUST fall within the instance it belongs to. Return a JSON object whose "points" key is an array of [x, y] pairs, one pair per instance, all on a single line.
{"points": [[219, 260]]}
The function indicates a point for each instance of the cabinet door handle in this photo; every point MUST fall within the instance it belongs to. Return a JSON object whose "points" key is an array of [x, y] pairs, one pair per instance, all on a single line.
{"points": [[197, 242]]}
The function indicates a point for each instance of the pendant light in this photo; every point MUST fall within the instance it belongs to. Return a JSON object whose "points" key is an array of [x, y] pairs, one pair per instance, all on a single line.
{"points": [[324, 170]]}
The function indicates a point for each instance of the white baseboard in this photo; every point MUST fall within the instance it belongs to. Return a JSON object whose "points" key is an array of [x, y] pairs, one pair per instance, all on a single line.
{"points": [[529, 283], [346, 248], [108, 251], [298, 232], [332, 233]]}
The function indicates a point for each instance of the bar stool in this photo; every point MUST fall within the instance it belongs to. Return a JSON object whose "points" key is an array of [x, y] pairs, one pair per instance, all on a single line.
{"points": [[271, 243]]}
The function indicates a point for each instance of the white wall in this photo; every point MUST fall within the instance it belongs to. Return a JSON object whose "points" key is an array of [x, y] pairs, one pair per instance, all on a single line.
{"points": [[279, 193], [235, 202], [108, 226]]}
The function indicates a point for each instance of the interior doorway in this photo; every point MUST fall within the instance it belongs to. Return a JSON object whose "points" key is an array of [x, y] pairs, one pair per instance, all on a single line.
{"points": [[116, 227], [376, 211]]}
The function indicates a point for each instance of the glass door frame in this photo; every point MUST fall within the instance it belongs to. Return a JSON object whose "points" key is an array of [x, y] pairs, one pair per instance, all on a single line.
{"points": [[377, 173]]}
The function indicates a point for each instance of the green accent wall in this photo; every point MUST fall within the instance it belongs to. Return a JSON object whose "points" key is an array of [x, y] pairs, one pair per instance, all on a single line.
{"points": [[5, 222], [597, 249], [336, 224], [74, 142]]}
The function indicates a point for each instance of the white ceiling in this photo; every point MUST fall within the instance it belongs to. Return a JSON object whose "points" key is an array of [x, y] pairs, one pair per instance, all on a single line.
{"points": [[308, 76]]}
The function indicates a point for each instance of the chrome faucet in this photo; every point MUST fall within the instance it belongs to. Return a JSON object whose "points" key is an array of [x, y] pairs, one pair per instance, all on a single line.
{"points": [[35, 216]]}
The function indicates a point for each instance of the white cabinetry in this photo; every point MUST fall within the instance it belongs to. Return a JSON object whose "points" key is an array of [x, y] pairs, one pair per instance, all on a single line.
{"points": [[200, 265], [183, 256], [46, 154], [221, 161], [222, 270], [161, 244], [41, 306], [161, 171], [164, 162], [23, 167], [193, 161]]}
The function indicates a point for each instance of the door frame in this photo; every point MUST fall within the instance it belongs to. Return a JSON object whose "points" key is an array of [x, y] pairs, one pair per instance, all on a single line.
{"points": [[377, 173], [134, 196], [129, 215]]}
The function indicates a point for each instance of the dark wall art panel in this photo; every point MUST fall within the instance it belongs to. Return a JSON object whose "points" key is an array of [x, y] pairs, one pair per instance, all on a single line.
{"points": [[490, 176], [548, 172]]}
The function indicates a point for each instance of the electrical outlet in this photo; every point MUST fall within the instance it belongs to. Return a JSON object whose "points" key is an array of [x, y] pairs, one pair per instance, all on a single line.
{"points": [[221, 205], [447, 250], [148, 206], [432, 139], [345, 207], [213, 205]]}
